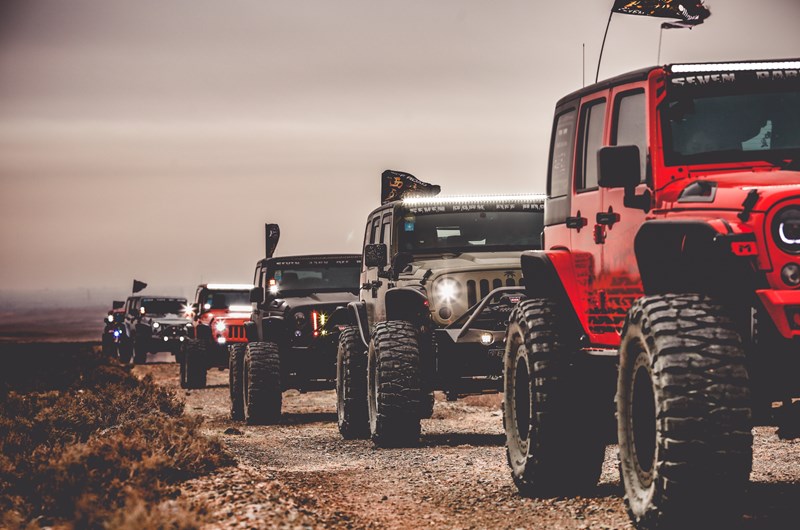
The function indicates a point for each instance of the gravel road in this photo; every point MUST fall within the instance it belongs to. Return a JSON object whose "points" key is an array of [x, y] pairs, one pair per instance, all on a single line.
{"points": [[301, 474]]}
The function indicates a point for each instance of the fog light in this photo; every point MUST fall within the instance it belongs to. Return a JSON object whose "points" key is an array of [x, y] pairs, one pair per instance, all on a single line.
{"points": [[220, 340], [166, 339], [156, 325], [487, 338], [445, 313], [790, 274], [182, 339]]}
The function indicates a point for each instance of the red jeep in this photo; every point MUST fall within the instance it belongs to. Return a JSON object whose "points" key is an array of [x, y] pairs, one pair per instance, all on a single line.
{"points": [[219, 312], [669, 276]]}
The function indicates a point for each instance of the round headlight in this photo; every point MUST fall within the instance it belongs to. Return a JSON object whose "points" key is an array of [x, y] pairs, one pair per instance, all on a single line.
{"points": [[790, 274], [156, 325], [786, 229], [220, 326], [299, 319], [110, 318], [448, 290]]}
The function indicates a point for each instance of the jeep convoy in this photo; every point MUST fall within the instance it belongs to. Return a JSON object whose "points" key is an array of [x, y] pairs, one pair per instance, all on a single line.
{"points": [[439, 279], [218, 315], [671, 249]]}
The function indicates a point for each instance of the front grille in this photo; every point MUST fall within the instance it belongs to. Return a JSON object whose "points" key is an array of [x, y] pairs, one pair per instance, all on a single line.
{"points": [[235, 332], [486, 286]]}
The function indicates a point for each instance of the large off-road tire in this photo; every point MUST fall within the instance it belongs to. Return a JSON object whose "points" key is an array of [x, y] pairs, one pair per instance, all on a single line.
{"points": [[426, 405], [235, 375], [140, 346], [551, 413], [394, 384], [125, 351], [351, 386], [108, 345], [262, 383], [683, 414], [195, 361]]}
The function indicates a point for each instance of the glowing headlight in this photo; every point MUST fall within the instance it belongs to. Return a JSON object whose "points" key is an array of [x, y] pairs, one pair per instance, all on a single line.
{"points": [[117, 333], [221, 340], [448, 290], [220, 326], [786, 229], [156, 325], [110, 318], [206, 306], [486, 338]]}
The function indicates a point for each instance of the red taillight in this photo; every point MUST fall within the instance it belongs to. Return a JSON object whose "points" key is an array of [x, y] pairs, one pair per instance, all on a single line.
{"points": [[315, 322], [793, 314]]}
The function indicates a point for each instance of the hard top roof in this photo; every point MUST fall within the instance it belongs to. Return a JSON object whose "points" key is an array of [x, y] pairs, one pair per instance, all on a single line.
{"points": [[528, 198], [682, 68]]}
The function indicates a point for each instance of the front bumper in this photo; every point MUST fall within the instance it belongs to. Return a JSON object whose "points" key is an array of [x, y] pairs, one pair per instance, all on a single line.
{"points": [[784, 309]]}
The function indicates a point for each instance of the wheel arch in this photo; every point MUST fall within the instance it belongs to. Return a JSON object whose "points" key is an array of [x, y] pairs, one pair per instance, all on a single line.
{"points": [[405, 303]]}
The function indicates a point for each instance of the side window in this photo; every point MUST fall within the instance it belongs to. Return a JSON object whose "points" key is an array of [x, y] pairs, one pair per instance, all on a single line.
{"points": [[592, 122], [630, 124], [373, 235], [386, 233], [562, 153]]}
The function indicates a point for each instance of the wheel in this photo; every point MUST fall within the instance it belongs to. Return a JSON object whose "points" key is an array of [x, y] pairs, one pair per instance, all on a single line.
{"points": [[262, 383], [555, 443], [108, 345], [351, 386], [182, 364], [235, 374], [687, 465], [426, 406], [125, 351], [394, 393], [140, 346], [195, 359]]}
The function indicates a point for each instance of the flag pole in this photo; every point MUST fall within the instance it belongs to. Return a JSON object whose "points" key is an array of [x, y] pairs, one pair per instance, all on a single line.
{"points": [[603, 46], [660, 36]]}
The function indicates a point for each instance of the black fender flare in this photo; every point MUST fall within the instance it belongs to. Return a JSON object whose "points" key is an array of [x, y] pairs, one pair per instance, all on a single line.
{"points": [[406, 303], [692, 256], [542, 281], [203, 332], [274, 329], [251, 331]]}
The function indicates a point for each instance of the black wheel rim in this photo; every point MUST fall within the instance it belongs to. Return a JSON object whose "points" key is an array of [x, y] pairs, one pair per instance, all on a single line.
{"points": [[522, 399], [643, 422]]}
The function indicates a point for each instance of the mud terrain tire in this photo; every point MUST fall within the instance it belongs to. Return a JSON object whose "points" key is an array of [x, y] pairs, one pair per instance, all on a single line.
{"points": [[262, 383], [351, 386], [195, 357], [108, 345], [552, 418], [394, 382], [235, 374], [125, 351], [140, 346], [681, 356]]}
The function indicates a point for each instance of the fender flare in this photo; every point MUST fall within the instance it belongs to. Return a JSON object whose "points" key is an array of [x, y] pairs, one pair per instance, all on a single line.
{"points": [[406, 303], [203, 332], [274, 329], [356, 315]]}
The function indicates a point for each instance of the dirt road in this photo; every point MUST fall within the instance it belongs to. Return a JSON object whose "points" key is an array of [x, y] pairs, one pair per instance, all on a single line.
{"points": [[301, 474]]}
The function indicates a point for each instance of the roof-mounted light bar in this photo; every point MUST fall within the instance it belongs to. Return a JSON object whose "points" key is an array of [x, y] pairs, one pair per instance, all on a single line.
{"points": [[734, 67], [230, 286], [473, 199]]}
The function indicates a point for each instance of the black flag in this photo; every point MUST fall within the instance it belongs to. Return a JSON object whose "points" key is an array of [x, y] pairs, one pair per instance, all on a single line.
{"points": [[395, 185], [273, 234], [687, 13], [138, 286]]}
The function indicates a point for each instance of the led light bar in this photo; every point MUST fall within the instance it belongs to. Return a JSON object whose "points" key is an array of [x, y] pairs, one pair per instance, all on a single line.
{"points": [[240, 308], [468, 199], [734, 67], [230, 286]]}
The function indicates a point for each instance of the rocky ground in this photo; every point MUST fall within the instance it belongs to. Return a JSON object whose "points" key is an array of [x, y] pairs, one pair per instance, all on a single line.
{"points": [[301, 474]]}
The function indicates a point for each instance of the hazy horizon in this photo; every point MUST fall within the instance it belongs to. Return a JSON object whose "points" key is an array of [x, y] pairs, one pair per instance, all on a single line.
{"points": [[153, 139]]}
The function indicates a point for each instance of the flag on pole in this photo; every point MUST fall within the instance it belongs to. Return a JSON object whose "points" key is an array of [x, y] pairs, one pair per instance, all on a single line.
{"points": [[138, 286], [395, 185], [687, 13]]}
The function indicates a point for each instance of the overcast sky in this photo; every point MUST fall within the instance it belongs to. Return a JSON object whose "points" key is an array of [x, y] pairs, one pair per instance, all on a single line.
{"points": [[153, 138]]}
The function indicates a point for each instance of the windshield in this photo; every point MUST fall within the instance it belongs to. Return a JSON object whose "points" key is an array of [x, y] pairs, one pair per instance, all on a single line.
{"points": [[314, 278], [732, 127], [225, 299], [162, 307], [481, 231]]}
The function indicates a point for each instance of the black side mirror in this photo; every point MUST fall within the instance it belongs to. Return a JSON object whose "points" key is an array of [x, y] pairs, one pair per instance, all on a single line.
{"points": [[117, 304], [196, 308], [399, 262], [375, 255], [619, 166], [256, 295]]}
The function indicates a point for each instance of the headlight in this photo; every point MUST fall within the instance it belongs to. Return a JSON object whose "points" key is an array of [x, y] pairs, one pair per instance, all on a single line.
{"points": [[110, 318], [156, 325], [299, 319], [786, 230], [220, 326], [448, 291]]}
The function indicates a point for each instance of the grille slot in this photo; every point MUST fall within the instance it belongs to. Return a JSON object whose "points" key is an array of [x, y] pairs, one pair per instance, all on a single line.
{"points": [[236, 332], [484, 288], [472, 295]]}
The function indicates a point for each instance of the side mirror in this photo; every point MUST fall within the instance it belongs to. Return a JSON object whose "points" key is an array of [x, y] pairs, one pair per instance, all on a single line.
{"points": [[619, 166], [399, 262], [256, 295], [375, 255], [117, 304]]}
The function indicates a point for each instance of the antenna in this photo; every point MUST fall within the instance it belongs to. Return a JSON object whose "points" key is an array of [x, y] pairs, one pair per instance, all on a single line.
{"points": [[660, 36], [583, 65]]}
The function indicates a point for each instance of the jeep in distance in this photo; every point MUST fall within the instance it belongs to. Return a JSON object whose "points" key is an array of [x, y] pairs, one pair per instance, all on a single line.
{"points": [[218, 315], [152, 324], [670, 279], [440, 277], [290, 342]]}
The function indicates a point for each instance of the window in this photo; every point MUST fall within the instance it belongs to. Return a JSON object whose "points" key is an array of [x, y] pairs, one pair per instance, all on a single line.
{"points": [[630, 125], [563, 150], [373, 235], [592, 121]]}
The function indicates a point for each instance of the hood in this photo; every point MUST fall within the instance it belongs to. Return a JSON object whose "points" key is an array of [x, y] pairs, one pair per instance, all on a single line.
{"points": [[171, 320], [233, 318], [728, 191], [466, 262]]}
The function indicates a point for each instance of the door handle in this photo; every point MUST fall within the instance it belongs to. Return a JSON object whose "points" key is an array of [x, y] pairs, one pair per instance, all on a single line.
{"points": [[608, 219], [577, 222]]}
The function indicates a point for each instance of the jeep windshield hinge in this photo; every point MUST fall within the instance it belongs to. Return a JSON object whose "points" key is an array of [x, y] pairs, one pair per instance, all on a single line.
{"points": [[639, 202], [748, 205]]}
